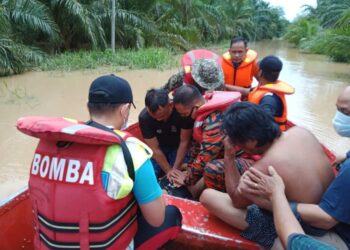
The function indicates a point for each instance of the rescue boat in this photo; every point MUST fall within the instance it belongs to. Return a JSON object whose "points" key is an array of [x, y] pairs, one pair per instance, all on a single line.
{"points": [[200, 229]]}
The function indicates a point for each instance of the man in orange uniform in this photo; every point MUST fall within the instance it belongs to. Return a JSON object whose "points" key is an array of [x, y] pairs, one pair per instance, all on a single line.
{"points": [[239, 65], [270, 92]]}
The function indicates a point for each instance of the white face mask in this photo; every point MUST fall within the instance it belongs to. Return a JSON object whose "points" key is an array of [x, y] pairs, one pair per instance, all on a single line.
{"points": [[341, 124], [125, 124]]}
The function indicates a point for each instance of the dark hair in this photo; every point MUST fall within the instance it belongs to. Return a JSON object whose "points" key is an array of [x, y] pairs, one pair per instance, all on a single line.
{"points": [[270, 76], [98, 109], [187, 95], [238, 39], [156, 98], [245, 121]]}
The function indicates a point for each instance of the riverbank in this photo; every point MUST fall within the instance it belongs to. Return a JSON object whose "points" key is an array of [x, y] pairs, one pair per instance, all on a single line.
{"points": [[122, 59]]}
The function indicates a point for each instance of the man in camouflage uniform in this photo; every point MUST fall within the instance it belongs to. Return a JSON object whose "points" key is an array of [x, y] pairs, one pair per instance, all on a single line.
{"points": [[204, 73]]}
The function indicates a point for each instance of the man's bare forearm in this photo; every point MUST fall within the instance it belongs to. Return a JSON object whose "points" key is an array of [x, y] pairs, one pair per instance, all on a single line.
{"points": [[313, 215], [284, 219]]}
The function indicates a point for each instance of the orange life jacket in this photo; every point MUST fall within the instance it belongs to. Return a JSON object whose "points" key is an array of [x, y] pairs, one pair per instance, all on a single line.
{"points": [[243, 75], [216, 101], [280, 89], [71, 208], [192, 55]]}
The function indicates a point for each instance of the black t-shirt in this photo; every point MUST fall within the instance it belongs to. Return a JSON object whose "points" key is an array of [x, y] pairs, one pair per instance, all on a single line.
{"points": [[167, 132]]}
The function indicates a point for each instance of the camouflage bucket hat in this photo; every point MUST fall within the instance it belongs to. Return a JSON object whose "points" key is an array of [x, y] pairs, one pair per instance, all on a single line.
{"points": [[207, 73]]}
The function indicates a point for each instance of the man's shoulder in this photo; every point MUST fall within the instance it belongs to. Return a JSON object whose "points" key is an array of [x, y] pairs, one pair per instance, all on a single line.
{"points": [[297, 131], [144, 115]]}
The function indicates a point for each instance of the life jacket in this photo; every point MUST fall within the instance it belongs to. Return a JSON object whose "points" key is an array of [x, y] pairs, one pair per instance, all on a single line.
{"points": [[189, 58], [243, 75], [280, 89], [215, 101], [71, 208]]}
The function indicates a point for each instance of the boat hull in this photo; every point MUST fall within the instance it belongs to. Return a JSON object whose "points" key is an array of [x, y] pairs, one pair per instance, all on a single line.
{"points": [[200, 230]]}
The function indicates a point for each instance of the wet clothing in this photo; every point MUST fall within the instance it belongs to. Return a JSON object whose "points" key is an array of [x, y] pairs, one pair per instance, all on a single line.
{"points": [[241, 74], [214, 172], [261, 228], [210, 148], [166, 132], [305, 242], [336, 201]]}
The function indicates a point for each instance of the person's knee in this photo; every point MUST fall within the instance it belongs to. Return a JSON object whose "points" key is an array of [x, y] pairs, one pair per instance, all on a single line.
{"points": [[206, 197]]}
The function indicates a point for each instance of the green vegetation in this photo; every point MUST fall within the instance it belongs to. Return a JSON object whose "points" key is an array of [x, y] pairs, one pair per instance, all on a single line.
{"points": [[158, 58], [31, 30], [323, 30]]}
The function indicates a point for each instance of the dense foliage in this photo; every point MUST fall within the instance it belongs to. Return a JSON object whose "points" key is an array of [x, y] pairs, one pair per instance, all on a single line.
{"points": [[324, 29], [31, 29]]}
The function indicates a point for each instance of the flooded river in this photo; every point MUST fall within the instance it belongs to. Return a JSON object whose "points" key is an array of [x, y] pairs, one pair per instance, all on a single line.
{"points": [[317, 82]]}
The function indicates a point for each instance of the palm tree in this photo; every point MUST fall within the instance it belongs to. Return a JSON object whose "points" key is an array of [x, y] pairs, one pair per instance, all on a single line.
{"points": [[21, 23]]}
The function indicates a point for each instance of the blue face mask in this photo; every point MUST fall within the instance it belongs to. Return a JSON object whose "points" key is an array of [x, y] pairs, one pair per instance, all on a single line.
{"points": [[341, 124]]}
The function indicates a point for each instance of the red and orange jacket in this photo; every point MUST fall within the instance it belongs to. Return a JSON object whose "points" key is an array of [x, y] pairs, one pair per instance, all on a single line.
{"points": [[280, 89], [207, 133], [71, 207], [243, 75]]}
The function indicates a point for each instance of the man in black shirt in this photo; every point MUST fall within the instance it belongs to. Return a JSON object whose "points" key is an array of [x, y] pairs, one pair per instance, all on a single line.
{"points": [[165, 132]]}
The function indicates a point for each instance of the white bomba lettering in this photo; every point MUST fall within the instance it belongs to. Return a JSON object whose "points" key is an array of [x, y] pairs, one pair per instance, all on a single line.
{"points": [[54, 168]]}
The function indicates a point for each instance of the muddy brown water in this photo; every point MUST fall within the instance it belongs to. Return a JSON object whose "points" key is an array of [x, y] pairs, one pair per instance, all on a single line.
{"points": [[316, 79]]}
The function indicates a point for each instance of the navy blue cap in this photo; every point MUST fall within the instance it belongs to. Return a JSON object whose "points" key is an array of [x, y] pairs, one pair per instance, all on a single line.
{"points": [[110, 89], [271, 64]]}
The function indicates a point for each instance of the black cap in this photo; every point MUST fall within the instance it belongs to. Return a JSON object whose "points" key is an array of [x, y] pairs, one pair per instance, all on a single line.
{"points": [[110, 89], [271, 64]]}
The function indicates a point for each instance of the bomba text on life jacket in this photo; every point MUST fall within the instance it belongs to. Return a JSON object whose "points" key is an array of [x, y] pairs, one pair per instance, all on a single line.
{"points": [[62, 169]]}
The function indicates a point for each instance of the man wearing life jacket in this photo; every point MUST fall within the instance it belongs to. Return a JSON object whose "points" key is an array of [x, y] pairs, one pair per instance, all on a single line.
{"points": [[207, 111], [239, 65], [270, 92], [190, 63], [88, 180], [165, 132]]}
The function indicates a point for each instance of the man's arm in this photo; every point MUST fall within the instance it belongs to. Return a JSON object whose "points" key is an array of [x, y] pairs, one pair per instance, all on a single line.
{"points": [[158, 154], [232, 176], [149, 195], [185, 139], [243, 91], [208, 149], [315, 216]]}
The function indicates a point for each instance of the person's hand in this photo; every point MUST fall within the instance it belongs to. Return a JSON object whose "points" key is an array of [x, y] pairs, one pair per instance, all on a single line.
{"points": [[263, 185], [242, 187], [245, 92], [176, 177]]}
